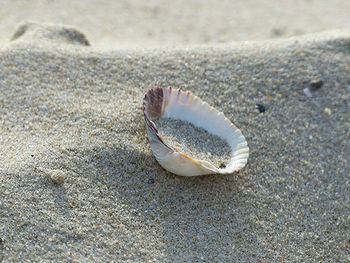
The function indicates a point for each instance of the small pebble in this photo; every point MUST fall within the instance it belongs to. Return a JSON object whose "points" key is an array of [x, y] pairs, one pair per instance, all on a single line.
{"points": [[57, 176], [316, 84], [328, 111], [307, 92], [261, 108]]}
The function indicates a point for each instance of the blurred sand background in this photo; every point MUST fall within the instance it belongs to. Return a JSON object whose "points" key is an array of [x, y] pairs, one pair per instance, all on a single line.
{"points": [[154, 23], [78, 181]]}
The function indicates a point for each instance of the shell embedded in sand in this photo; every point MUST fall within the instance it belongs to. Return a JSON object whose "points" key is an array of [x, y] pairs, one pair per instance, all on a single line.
{"points": [[173, 103]]}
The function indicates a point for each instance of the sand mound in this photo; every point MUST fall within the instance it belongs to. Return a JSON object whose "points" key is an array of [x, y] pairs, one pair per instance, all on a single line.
{"points": [[78, 179], [31, 31]]}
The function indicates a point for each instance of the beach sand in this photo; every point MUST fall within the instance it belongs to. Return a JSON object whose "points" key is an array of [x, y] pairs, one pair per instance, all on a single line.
{"points": [[78, 180], [138, 24]]}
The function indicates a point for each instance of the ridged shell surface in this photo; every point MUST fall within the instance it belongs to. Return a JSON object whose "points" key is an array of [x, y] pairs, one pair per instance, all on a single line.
{"points": [[173, 103]]}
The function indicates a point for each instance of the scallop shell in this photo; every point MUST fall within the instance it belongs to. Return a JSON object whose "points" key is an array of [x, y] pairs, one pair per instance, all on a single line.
{"points": [[174, 103]]}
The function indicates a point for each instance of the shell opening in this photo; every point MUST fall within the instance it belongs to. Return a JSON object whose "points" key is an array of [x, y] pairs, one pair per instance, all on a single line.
{"points": [[168, 103]]}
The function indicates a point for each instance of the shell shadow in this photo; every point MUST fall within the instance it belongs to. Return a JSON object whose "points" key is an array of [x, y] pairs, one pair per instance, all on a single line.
{"points": [[197, 210]]}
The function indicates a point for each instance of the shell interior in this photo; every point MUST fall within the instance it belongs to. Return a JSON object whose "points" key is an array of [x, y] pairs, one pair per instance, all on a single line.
{"points": [[174, 103]]}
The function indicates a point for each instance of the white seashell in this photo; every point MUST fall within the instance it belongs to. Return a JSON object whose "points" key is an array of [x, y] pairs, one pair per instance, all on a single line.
{"points": [[174, 103]]}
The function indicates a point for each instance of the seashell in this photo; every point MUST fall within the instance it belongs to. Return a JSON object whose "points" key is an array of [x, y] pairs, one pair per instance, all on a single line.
{"points": [[173, 103]]}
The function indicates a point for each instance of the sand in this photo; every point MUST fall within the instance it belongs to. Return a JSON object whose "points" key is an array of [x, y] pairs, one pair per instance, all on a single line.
{"points": [[155, 23], [78, 181], [194, 141]]}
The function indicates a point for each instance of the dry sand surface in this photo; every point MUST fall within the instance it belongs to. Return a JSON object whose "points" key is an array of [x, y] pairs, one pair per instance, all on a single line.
{"points": [[78, 180], [139, 23]]}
